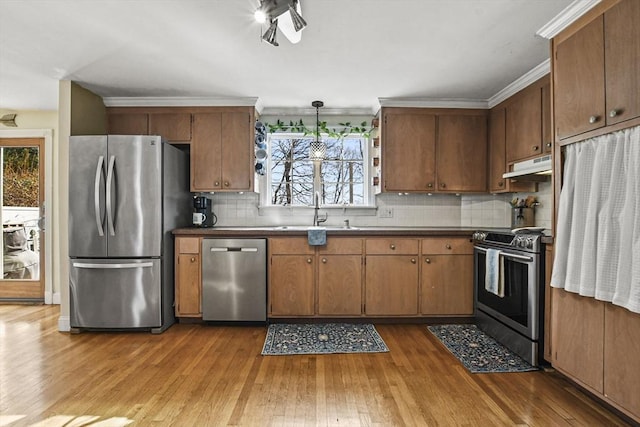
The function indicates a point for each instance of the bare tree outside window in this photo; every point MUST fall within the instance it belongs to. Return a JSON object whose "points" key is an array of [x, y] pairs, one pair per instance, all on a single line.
{"points": [[341, 173]]}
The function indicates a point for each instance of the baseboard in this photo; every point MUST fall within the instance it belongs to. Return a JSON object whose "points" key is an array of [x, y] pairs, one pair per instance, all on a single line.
{"points": [[52, 298], [56, 298], [64, 323]]}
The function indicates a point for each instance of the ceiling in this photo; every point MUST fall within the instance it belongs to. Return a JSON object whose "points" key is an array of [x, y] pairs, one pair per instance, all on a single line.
{"points": [[351, 54]]}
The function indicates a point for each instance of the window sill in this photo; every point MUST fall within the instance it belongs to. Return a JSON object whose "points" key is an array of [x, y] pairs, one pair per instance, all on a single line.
{"points": [[305, 210]]}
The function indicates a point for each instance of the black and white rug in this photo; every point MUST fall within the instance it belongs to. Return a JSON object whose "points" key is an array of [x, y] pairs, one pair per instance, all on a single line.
{"points": [[477, 351], [322, 338]]}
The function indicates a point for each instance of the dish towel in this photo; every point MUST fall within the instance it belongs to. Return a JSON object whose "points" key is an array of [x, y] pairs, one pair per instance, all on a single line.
{"points": [[317, 236], [494, 273]]}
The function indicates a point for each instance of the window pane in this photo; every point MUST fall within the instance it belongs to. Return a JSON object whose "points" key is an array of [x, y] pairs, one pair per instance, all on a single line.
{"points": [[353, 172], [302, 171], [353, 148], [301, 148]]}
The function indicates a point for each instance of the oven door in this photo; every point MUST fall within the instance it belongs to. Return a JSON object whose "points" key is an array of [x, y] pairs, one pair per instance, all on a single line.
{"points": [[519, 308]]}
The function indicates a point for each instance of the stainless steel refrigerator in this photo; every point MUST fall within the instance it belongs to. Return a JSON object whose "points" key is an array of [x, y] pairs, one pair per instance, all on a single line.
{"points": [[126, 194]]}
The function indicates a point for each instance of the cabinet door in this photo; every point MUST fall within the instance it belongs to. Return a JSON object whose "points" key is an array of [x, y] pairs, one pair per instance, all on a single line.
{"points": [[174, 127], [622, 59], [622, 364], [578, 336], [524, 125], [447, 285], [391, 285], [340, 285], [206, 151], [188, 277], [408, 152], [237, 167], [579, 81], [128, 124], [291, 290], [462, 153], [497, 151], [547, 133]]}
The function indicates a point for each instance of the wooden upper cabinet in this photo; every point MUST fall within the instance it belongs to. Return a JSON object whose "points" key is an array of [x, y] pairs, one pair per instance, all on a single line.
{"points": [[622, 61], [174, 127], [221, 157], [408, 145], [128, 124], [524, 125], [547, 132], [462, 153], [497, 153]]}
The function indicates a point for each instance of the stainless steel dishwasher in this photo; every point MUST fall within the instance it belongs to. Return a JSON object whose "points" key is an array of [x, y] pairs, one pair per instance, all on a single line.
{"points": [[234, 280]]}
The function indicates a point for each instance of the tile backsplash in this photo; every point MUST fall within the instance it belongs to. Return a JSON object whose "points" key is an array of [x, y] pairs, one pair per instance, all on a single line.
{"points": [[438, 210]]}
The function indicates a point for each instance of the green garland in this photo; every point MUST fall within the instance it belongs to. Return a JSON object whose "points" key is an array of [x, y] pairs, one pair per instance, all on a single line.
{"points": [[300, 127]]}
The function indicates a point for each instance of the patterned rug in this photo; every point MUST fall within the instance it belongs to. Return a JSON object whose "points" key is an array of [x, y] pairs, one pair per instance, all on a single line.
{"points": [[322, 338], [477, 351]]}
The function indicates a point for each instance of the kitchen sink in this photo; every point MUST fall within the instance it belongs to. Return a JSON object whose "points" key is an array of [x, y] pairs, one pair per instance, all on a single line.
{"points": [[310, 227]]}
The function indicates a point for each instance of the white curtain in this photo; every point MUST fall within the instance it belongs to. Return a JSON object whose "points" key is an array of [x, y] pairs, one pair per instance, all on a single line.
{"points": [[597, 241]]}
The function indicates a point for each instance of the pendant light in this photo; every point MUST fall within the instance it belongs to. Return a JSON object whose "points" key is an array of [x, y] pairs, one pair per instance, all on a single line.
{"points": [[317, 149]]}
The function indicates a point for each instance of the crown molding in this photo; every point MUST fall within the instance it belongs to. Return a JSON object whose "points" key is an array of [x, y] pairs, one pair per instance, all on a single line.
{"points": [[433, 103], [522, 82], [180, 101], [305, 111], [562, 20]]}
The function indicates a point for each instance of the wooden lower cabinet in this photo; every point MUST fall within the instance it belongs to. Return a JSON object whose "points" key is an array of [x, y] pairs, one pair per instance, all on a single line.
{"points": [[391, 285], [291, 285], [188, 282], [340, 285]]}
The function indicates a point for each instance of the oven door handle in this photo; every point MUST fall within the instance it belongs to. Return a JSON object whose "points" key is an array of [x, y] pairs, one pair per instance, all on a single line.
{"points": [[506, 254]]}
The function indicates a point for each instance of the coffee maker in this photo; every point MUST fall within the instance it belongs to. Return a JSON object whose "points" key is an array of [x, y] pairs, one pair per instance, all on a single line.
{"points": [[203, 216]]}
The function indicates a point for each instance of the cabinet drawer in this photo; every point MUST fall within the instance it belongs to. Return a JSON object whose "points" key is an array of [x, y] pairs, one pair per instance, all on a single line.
{"points": [[392, 246], [188, 245], [343, 246], [447, 245], [290, 246]]}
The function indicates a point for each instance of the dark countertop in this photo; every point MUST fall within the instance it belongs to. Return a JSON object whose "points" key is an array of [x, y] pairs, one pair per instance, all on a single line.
{"points": [[301, 230]]}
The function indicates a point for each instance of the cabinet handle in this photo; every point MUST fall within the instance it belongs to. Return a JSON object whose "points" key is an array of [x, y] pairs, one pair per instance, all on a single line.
{"points": [[549, 145], [614, 113], [308, 260], [430, 185], [324, 260], [535, 148], [226, 183], [216, 184], [443, 185], [501, 184], [448, 246], [193, 259], [393, 247], [593, 119], [413, 260], [427, 260]]}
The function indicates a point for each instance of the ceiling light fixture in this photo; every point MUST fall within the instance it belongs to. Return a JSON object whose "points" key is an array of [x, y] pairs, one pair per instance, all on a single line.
{"points": [[270, 35], [9, 120], [317, 148], [288, 12]]}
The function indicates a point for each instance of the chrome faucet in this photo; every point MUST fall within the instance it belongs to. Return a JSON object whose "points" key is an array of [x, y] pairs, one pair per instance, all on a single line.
{"points": [[316, 219]]}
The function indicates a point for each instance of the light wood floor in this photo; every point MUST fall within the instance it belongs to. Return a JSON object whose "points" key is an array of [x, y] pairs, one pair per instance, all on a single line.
{"points": [[197, 375]]}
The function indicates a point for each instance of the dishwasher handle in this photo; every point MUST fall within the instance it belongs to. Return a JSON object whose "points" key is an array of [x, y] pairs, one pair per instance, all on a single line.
{"points": [[233, 249]]}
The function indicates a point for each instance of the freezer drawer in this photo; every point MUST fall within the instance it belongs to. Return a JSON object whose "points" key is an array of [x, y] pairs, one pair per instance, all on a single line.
{"points": [[115, 293], [234, 280]]}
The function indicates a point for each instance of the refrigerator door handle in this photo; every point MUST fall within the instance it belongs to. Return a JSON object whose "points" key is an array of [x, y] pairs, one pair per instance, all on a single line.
{"points": [[110, 222], [115, 265], [96, 196]]}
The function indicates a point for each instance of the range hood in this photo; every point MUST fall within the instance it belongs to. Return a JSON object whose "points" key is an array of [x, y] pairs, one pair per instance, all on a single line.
{"points": [[532, 170]]}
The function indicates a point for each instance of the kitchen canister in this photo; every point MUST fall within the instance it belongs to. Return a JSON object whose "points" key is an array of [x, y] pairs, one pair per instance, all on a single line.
{"points": [[522, 217]]}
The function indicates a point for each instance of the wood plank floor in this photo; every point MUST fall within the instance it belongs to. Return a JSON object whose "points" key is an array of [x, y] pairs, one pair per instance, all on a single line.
{"points": [[198, 375]]}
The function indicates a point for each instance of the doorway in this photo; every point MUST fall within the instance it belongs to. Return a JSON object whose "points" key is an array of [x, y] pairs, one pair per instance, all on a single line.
{"points": [[22, 191]]}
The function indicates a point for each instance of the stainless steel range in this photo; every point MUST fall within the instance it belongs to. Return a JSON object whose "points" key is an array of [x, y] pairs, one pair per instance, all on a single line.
{"points": [[514, 316]]}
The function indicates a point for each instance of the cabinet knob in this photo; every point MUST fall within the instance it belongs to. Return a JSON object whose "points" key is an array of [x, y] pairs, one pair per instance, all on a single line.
{"points": [[393, 247], [614, 113], [593, 119], [324, 260], [501, 184], [308, 260], [226, 183], [535, 147], [193, 259], [430, 185], [427, 260], [413, 260], [216, 184], [549, 145], [443, 185], [448, 246]]}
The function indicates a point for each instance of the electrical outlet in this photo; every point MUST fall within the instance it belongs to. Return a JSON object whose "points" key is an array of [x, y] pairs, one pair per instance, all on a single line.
{"points": [[385, 212]]}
